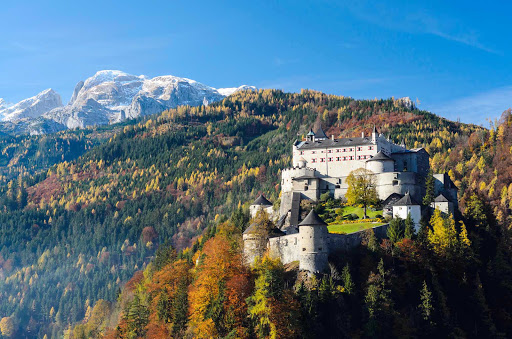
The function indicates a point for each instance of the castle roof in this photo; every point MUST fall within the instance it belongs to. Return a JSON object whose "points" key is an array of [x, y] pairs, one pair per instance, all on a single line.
{"points": [[320, 134], [275, 232], [312, 219], [334, 143], [262, 201], [407, 200], [302, 177], [252, 229], [441, 198], [311, 132], [380, 156]]}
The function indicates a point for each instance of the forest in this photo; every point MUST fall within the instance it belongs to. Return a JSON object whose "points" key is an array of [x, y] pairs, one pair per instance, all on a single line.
{"points": [[142, 222]]}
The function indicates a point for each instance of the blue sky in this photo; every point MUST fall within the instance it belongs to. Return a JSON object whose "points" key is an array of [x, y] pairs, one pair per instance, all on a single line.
{"points": [[454, 56]]}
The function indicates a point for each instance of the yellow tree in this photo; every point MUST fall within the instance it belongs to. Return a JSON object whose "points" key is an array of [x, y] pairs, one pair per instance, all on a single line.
{"points": [[361, 188], [442, 235]]}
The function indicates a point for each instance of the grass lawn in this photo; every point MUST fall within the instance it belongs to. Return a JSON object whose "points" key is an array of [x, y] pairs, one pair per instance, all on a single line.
{"points": [[351, 228], [360, 211]]}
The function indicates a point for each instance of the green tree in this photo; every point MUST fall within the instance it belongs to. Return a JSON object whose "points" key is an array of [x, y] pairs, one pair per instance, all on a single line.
{"points": [[361, 188], [429, 189], [346, 277], [395, 231], [409, 231], [426, 303]]}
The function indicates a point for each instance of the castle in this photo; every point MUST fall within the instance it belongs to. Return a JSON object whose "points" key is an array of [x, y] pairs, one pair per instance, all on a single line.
{"points": [[322, 165]]}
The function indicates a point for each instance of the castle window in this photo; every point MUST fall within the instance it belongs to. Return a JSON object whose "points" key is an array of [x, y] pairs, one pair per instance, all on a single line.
{"points": [[330, 159], [370, 147], [350, 149], [322, 159], [344, 150], [319, 248], [358, 157], [303, 249], [329, 151], [313, 160], [395, 182], [313, 152], [359, 148], [337, 158], [301, 152]]}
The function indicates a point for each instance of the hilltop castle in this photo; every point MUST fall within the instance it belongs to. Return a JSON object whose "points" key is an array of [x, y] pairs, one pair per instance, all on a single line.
{"points": [[322, 165]]}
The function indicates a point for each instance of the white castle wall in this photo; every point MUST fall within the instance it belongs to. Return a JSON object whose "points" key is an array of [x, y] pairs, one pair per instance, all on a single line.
{"points": [[286, 248], [404, 211], [254, 209]]}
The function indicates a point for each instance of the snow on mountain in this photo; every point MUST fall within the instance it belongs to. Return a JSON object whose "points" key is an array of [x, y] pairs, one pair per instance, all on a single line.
{"points": [[230, 90], [32, 107], [111, 96]]}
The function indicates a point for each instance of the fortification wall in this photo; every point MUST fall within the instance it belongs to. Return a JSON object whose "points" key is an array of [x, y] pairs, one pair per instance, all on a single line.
{"points": [[287, 248], [345, 242]]}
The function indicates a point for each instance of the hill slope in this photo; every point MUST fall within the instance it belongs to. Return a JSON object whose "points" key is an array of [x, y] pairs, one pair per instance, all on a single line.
{"points": [[77, 233]]}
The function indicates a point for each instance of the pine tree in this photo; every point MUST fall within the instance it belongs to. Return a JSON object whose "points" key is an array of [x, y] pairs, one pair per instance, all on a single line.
{"points": [[409, 232], [346, 277], [395, 230], [426, 303], [429, 188]]}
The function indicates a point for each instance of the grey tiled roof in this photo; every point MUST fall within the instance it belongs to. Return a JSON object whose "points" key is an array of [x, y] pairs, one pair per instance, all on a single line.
{"points": [[407, 200], [312, 220], [262, 201], [380, 156], [441, 198], [319, 133], [334, 143]]}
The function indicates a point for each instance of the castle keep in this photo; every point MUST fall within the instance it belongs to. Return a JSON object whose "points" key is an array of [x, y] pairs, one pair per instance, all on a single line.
{"points": [[322, 164]]}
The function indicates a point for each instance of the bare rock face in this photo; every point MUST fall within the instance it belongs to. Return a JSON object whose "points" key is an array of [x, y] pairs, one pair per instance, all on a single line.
{"points": [[32, 107], [112, 96]]}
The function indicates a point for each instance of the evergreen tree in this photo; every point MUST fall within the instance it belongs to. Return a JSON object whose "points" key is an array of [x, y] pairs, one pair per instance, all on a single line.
{"points": [[346, 277], [426, 303], [409, 231], [395, 231], [429, 189]]}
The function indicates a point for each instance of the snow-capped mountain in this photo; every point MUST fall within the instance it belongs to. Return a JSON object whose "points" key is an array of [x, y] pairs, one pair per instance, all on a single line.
{"points": [[32, 107], [111, 96]]}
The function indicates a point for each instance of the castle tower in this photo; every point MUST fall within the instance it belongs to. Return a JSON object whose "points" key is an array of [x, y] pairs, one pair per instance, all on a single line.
{"points": [[374, 135], [313, 240], [255, 242], [380, 163], [310, 136], [405, 206], [320, 134], [261, 203]]}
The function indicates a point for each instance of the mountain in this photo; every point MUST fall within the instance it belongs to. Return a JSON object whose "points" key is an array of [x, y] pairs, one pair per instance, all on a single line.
{"points": [[31, 108], [107, 97]]}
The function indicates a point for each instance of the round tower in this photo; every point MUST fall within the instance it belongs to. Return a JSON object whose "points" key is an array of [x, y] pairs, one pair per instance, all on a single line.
{"points": [[261, 203], [301, 163], [380, 163], [255, 242], [313, 237]]}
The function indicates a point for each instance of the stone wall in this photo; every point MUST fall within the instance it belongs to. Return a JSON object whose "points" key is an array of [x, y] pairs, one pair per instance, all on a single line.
{"points": [[287, 248], [345, 242]]}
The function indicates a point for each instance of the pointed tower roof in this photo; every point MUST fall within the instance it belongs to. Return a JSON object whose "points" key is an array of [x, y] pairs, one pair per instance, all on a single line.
{"points": [[311, 132], [320, 134], [407, 200], [312, 219], [262, 201], [441, 198]]}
